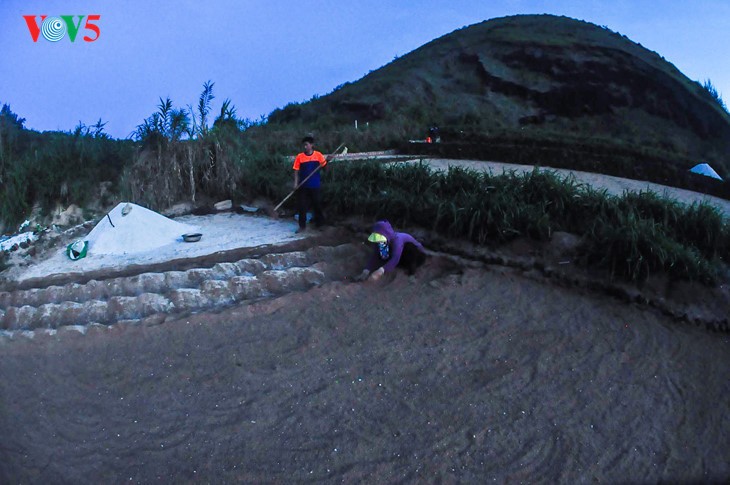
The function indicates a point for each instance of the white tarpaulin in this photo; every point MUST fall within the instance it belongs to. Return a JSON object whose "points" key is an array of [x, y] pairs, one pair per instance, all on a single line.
{"points": [[705, 169]]}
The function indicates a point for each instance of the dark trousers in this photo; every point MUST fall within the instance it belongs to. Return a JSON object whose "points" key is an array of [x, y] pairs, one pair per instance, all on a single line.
{"points": [[306, 198], [411, 258]]}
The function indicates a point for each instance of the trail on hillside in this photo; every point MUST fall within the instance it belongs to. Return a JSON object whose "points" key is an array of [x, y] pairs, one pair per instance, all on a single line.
{"points": [[613, 185]]}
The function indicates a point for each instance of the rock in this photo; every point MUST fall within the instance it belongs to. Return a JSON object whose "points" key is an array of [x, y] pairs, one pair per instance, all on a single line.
{"points": [[70, 216], [246, 208], [177, 210], [224, 205]]}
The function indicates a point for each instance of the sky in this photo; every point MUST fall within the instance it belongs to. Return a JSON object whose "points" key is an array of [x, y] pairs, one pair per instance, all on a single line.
{"points": [[264, 54]]}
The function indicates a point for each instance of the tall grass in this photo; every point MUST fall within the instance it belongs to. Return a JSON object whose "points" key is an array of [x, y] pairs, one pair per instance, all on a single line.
{"points": [[53, 167], [631, 237], [714, 93], [180, 156]]}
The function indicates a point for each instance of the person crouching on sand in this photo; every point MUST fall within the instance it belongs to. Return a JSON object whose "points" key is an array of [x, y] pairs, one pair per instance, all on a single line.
{"points": [[391, 249]]}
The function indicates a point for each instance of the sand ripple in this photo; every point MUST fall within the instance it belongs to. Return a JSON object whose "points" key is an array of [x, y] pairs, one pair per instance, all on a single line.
{"points": [[456, 376]]}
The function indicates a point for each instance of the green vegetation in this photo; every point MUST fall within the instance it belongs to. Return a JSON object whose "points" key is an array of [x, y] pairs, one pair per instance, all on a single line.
{"points": [[53, 167], [564, 150], [541, 80], [176, 157], [631, 236], [179, 156], [541, 90], [710, 88]]}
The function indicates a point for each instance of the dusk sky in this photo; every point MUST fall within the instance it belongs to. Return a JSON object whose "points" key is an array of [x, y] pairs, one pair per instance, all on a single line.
{"points": [[264, 54]]}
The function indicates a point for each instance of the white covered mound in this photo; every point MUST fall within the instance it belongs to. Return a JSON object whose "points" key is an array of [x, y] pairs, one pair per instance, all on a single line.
{"points": [[130, 228], [144, 237]]}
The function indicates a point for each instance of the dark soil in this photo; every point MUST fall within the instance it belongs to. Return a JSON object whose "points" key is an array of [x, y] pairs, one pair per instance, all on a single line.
{"points": [[467, 372]]}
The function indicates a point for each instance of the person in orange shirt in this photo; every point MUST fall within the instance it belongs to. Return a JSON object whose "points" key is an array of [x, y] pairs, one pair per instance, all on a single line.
{"points": [[308, 164]]}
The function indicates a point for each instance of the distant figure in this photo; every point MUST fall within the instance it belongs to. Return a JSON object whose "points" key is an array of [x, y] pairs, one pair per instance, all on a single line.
{"points": [[309, 163], [433, 135], [391, 249]]}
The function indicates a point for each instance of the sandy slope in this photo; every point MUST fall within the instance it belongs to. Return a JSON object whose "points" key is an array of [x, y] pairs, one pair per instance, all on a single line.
{"points": [[465, 373], [459, 375]]}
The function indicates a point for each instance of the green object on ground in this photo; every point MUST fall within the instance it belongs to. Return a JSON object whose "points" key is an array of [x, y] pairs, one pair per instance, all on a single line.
{"points": [[77, 250]]}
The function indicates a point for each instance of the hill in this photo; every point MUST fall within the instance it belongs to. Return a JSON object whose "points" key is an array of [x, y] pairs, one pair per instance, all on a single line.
{"points": [[573, 89]]}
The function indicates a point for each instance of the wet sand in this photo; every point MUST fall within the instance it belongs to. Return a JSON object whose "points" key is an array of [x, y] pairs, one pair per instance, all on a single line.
{"points": [[458, 375]]}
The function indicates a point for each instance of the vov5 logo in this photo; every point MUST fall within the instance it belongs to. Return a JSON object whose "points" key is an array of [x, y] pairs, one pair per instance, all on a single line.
{"points": [[54, 29]]}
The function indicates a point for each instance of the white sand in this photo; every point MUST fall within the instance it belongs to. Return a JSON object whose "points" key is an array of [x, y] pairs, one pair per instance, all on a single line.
{"points": [[146, 237], [28, 237], [138, 231]]}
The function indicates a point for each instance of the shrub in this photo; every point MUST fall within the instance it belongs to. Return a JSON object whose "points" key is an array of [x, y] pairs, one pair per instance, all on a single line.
{"points": [[179, 156], [714, 93], [53, 167], [631, 236]]}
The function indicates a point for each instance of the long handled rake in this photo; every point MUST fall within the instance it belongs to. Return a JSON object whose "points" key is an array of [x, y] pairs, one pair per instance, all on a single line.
{"points": [[329, 157]]}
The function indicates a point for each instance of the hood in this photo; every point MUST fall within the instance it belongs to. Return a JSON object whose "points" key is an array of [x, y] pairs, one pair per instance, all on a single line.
{"points": [[384, 228]]}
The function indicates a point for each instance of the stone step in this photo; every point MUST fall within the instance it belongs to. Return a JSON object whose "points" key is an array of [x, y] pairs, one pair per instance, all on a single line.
{"points": [[216, 293], [163, 282]]}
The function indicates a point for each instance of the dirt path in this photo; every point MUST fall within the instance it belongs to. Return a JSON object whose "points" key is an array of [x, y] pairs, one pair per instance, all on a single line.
{"points": [[458, 375], [614, 185]]}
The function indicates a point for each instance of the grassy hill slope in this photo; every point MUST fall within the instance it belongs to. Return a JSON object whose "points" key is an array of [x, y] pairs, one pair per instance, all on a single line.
{"points": [[534, 80]]}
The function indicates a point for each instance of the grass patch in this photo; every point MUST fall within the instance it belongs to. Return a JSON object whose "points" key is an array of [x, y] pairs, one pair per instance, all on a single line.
{"points": [[632, 236]]}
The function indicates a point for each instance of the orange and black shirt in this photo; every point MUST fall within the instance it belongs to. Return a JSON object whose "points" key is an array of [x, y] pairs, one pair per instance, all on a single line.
{"points": [[306, 164]]}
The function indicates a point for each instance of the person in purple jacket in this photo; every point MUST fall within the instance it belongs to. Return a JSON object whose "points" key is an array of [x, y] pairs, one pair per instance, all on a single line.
{"points": [[390, 250]]}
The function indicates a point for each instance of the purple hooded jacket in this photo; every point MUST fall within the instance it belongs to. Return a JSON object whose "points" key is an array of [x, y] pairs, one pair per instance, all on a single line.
{"points": [[396, 241]]}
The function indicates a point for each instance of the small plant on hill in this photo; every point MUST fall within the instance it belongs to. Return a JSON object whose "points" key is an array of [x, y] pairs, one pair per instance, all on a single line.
{"points": [[710, 88]]}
